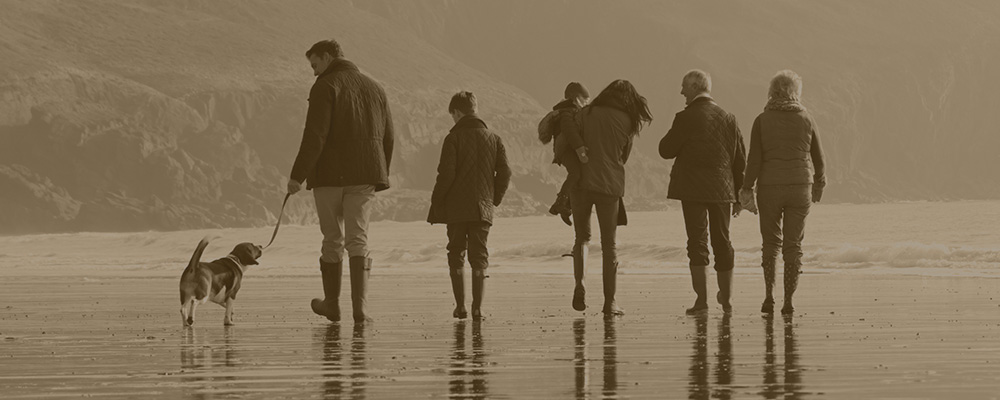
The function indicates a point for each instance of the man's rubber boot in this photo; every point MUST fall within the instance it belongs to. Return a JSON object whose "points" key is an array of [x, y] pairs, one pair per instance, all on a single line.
{"points": [[725, 279], [329, 306], [699, 281], [478, 291], [360, 269]]}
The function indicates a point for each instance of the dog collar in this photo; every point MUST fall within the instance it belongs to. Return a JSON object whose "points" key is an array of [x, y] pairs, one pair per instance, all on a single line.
{"points": [[235, 260]]}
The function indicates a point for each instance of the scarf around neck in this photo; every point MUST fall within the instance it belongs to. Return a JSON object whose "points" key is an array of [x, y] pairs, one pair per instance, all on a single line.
{"points": [[783, 104]]}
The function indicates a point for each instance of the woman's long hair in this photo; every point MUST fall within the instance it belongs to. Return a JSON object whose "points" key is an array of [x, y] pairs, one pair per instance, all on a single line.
{"points": [[621, 95]]}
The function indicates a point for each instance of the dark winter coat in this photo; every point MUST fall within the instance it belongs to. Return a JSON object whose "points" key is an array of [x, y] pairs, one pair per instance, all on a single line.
{"points": [[348, 138], [567, 134], [473, 174], [785, 150], [608, 135], [710, 153]]}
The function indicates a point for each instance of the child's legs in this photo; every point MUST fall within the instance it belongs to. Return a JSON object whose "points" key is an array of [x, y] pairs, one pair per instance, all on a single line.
{"points": [[573, 170]]}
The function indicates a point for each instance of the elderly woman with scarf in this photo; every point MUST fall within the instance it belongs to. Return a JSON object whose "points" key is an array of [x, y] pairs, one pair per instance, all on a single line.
{"points": [[608, 126], [786, 161]]}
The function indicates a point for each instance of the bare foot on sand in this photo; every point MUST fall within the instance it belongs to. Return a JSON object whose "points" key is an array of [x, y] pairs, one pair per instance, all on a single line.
{"points": [[477, 314], [460, 313]]}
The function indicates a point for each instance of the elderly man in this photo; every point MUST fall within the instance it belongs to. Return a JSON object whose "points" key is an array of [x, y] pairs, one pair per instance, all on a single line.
{"points": [[706, 177], [344, 158]]}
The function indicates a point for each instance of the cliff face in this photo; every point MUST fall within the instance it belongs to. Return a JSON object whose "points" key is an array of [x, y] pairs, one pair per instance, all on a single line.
{"points": [[904, 92], [185, 114]]}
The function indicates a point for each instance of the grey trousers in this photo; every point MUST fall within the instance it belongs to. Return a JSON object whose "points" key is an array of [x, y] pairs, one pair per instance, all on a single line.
{"points": [[343, 218]]}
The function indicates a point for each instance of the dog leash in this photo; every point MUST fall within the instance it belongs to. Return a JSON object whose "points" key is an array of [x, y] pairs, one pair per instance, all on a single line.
{"points": [[280, 215]]}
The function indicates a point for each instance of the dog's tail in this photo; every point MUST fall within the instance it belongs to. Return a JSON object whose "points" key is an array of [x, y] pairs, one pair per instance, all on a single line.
{"points": [[196, 257]]}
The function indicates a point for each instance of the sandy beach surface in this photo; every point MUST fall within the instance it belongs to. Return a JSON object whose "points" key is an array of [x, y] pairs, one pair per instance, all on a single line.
{"points": [[97, 315]]}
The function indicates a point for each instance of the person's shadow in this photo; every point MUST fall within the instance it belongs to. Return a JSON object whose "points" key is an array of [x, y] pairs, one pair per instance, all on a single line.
{"points": [[792, 387], [467, 371]]}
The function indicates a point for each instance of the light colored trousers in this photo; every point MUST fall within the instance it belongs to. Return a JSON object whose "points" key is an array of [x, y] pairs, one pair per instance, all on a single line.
{"points": [[343, 218]]}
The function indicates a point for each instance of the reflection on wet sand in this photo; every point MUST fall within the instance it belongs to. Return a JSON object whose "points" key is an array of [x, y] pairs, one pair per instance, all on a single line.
{"points": [[610, 359], [724, 360], [468, 373], [698, 373], [698, 385], [199, 356], [337, 382], [792, 387], [580, 362]]}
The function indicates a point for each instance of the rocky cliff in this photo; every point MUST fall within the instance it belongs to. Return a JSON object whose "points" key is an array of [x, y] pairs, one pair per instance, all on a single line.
{"points": [[146, 114]]}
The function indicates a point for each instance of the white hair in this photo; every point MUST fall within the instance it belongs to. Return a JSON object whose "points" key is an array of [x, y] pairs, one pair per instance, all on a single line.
{"points": [[698, 80], [785, 84]]}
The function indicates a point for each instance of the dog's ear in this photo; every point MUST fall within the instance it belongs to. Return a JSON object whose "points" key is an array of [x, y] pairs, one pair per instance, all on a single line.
{"points": [[247, 253]]}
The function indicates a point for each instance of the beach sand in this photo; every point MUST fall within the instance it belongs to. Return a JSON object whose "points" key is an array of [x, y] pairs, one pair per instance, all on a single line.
{"points": [[897, 301], [877, 337]]}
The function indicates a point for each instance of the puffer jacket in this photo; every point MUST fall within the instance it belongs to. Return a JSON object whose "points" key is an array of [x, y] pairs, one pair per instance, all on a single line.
{"points": [[709, 151], [785, 150], [348, 138], [473, 174], [608, 137]]}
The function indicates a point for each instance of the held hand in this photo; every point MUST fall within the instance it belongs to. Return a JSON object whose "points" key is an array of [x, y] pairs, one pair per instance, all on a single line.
{"points": [[747, 200], [294, 186], [817, 194], [737, 208]]}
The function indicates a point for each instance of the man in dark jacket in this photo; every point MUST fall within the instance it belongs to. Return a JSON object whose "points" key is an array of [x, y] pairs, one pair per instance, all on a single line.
{"points": [[344, 158], [473, 176], [707, 174]]}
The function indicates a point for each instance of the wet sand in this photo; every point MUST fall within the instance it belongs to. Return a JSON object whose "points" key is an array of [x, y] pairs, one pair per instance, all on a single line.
{"points": [[853, 336]]}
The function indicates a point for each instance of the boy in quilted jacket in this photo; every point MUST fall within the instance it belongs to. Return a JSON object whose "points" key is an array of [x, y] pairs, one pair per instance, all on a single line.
{"points": [[473, 176], [568, 147]]}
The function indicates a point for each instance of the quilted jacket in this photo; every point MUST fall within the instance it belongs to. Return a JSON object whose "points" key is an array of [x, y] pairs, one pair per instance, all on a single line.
{"points": [[348, 138], [709, 151], [785, 150], [473, 174]]}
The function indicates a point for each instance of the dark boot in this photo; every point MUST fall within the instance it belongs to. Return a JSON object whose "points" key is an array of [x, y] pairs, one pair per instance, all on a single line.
{"points": [[579, 266], [699, 281], [610, 273], [478, 291], [769, 274], [329, 306], [791, 283], [458, 287], [562, 208], [360, 269], [725, 279]]}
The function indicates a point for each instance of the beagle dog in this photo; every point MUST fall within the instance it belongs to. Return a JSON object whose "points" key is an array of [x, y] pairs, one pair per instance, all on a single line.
{"points": [[218, 281]]}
